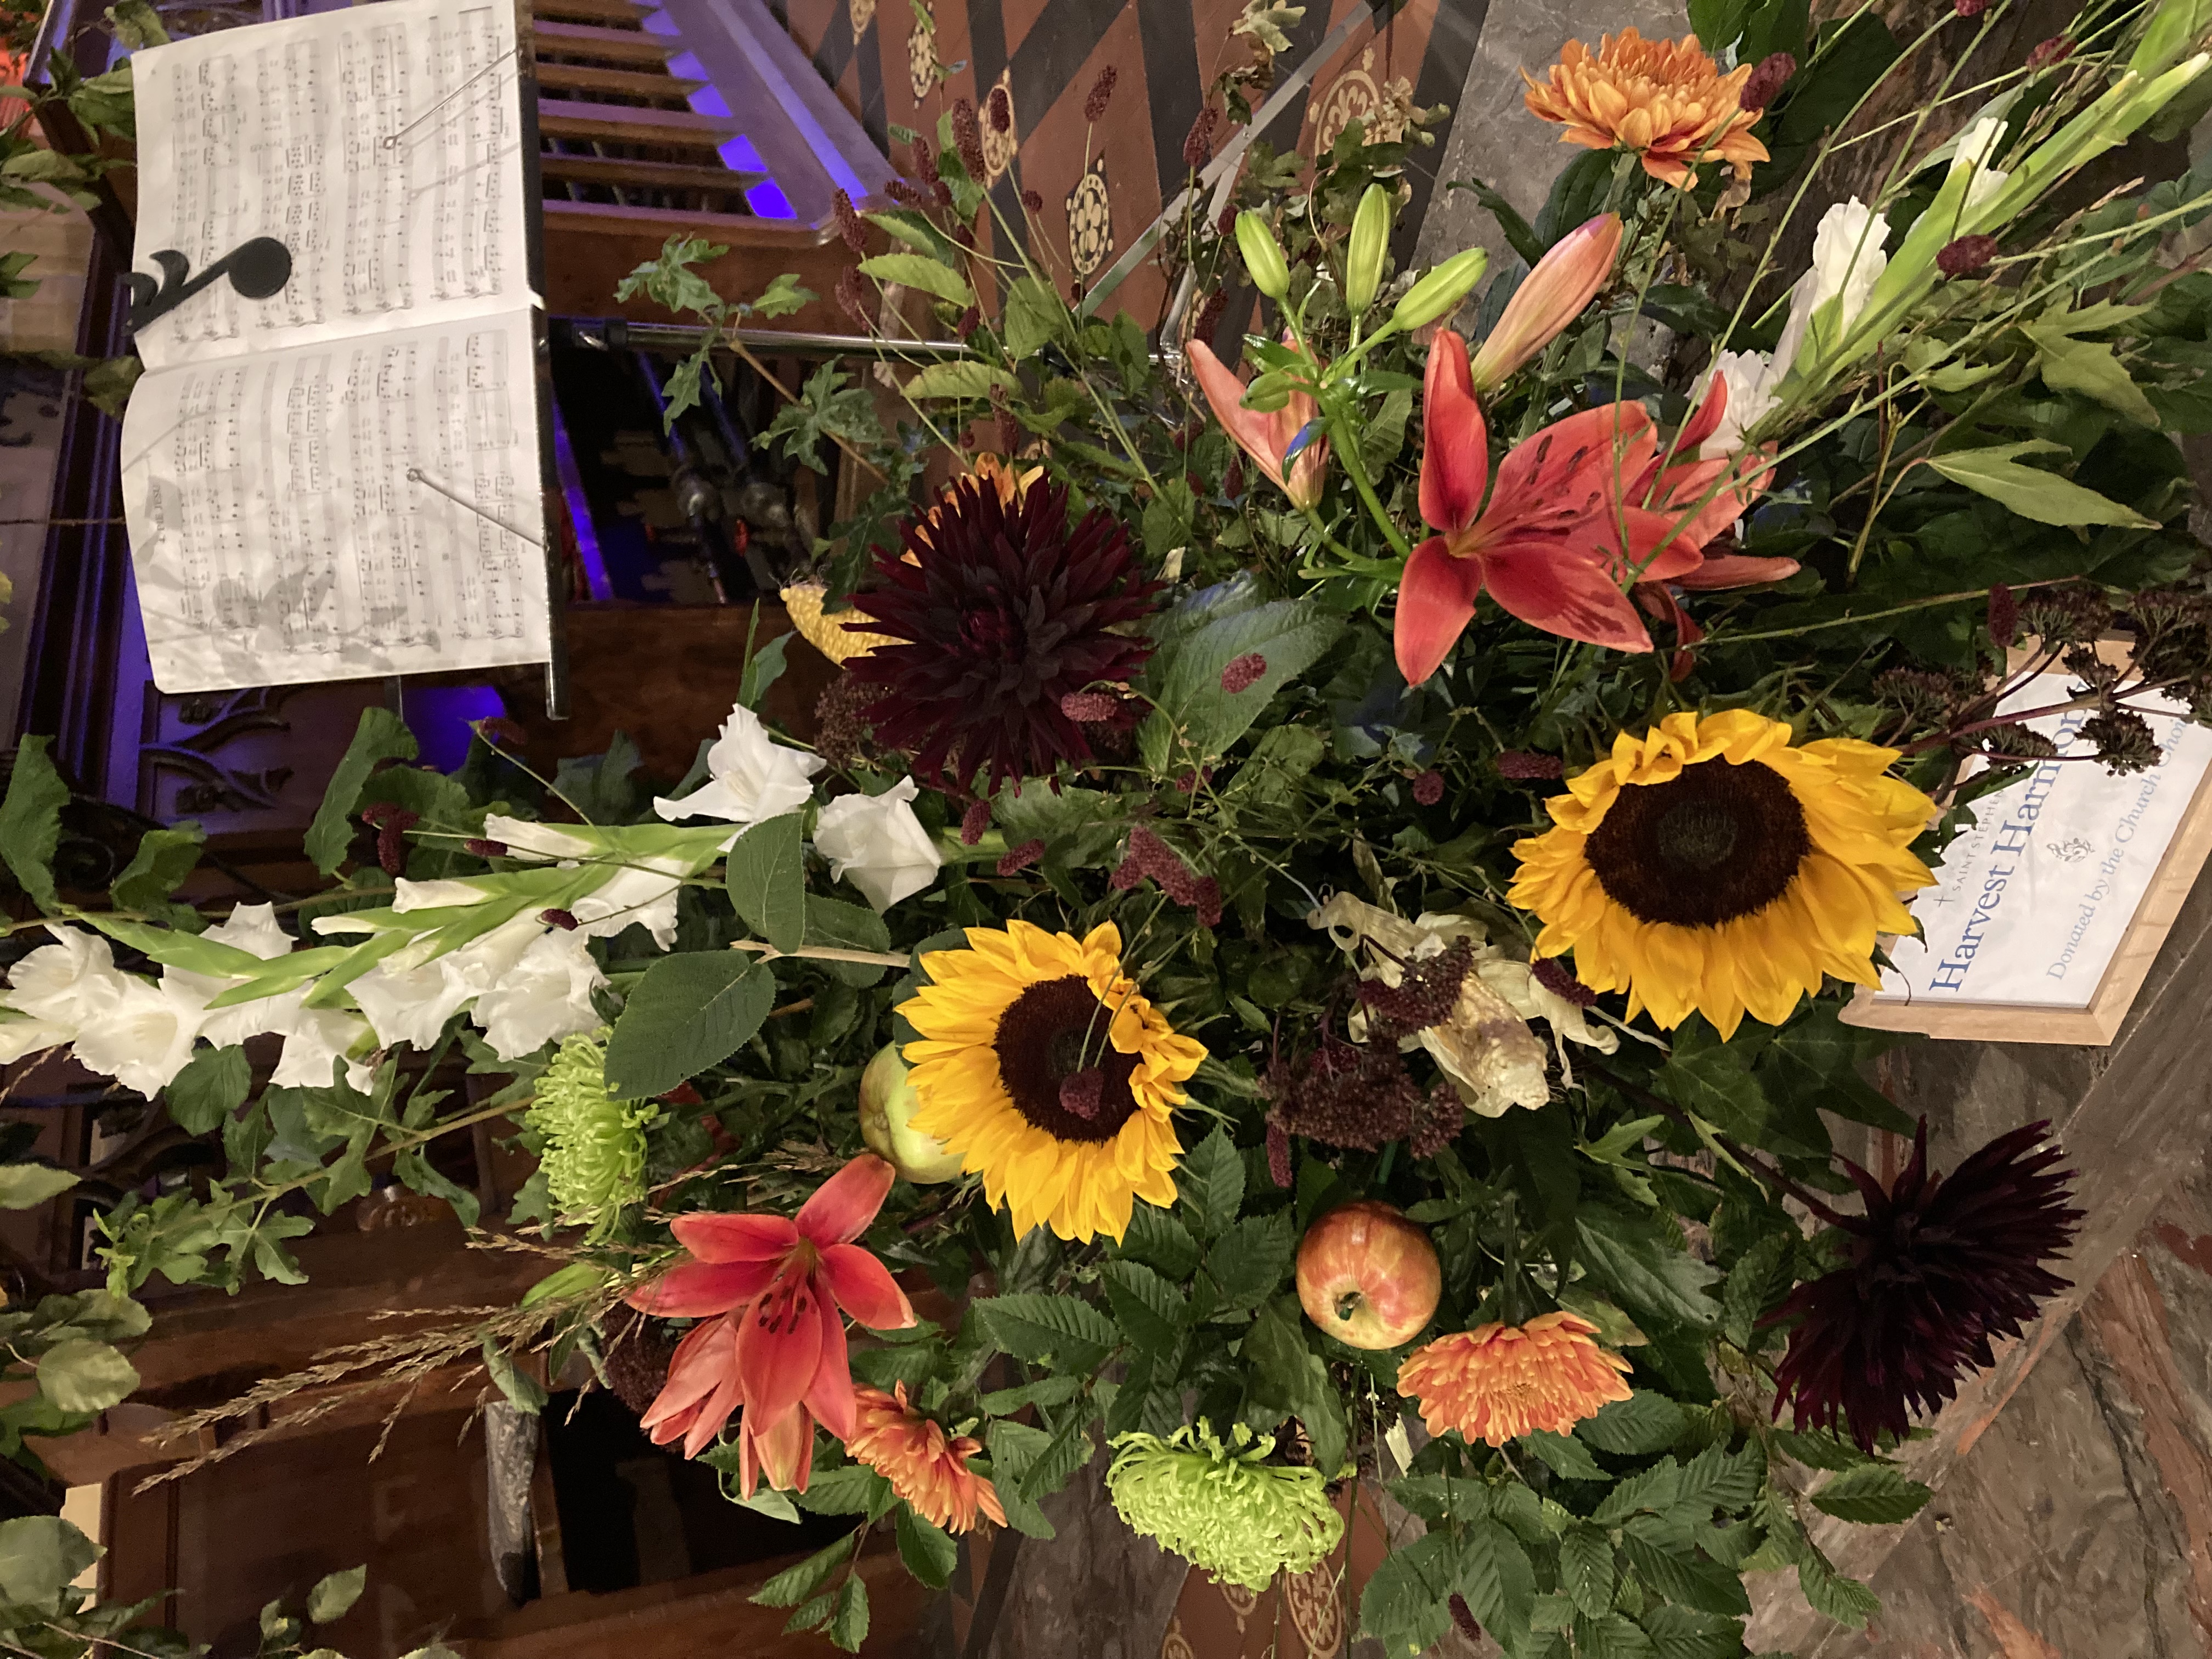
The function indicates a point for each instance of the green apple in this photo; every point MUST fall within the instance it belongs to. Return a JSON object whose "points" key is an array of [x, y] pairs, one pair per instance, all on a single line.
{"points": [[887, 1101]]}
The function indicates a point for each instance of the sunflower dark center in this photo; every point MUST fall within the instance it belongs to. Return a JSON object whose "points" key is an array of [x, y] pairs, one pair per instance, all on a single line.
{"points": [[1056, 1030], [1716, 843]]}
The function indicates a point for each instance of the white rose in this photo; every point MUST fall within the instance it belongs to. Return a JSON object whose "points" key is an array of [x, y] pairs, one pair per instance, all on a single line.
{"points": [[145, 1037], [69, 983], [749, 779], [1751, 378], [876, 841], [412, 1003], [1847, 262], [545, 995], [319, 1038], [252, 928]]}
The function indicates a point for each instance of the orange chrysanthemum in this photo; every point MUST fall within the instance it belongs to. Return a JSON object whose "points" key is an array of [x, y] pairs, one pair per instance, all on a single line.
{"points": [[925, 1467], [1666, 100], [1498, 1382]]}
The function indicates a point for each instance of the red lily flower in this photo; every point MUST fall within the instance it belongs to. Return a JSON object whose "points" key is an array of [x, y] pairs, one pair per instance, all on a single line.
{"points": [[779, 1349], [1262, 434], [702, 1393]]}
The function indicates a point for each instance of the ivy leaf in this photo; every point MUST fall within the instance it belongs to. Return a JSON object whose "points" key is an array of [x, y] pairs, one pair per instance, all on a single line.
{"points": [[2034, 494], [31, 820], [212, 1086], [784, 295], [380, 736], [668, 280], [930, 1553], [83, 1376], [690, 1012], [1873, 1494], [828, 408], [766, 873]]}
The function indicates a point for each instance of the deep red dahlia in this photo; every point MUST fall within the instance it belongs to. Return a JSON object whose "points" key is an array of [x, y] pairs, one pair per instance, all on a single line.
{"points": [[1005, 610], [1938, 1267]]}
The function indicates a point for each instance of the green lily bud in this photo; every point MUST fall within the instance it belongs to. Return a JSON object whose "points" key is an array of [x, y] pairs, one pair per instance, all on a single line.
{"points": [[1438, 294], [1365, 250], [1263, 255]]}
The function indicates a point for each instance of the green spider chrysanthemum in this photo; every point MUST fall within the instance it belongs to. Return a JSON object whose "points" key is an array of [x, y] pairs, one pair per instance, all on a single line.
{"points": [[1220, 1505], [594, 1156]]}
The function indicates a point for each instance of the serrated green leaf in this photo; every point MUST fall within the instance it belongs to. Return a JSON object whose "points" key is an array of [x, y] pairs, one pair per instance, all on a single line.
{"points": [[1497, 1581], [1679, 1633], [1031, 1326], [848, 1625], [1152, 1310], [1586, 1569], [1651, 1273], [1760, 1278], [1873, 1494], [380, 736], [335, 1593], [848, 1489], [1283, 1374], [1716, 1479], [930, 1553], [1250, 1260], [1404, 1605], [1656, 1489], [1644, 1422], [211, 1086], [920, 270], [1068, 1451], [1847, 1601], [1035, 317], [794, 1585], [1821, 1450], [765, 871], [1564, 1456], [1161, 1242], [690, 1012], [1212, 1181], [31, 820], [1610, 1637], [1687, 1578], [964, 378]]}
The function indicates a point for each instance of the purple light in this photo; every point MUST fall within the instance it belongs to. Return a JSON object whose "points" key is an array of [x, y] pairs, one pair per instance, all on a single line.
{"points": [[579, 511], [766, 198], [440, 716]]}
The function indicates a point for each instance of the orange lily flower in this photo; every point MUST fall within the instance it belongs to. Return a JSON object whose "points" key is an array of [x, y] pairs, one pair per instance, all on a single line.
{"points": [[1549, 298], [1265, 436]]}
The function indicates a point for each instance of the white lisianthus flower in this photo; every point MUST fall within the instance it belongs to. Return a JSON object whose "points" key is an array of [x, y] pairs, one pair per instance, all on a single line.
{"points": [[545, 996], [252, 928], [143, 1038], [411, 1004], [319, 1038], [1848, 260], [69, 983], [750, 778], [879, 842], [1752, 377]]}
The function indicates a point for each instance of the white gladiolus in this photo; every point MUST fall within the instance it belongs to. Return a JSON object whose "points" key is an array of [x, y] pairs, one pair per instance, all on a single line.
{"points": [[1976, 145], [545, 996], [411, 1003], [1848, 260], [878, 842], [143, 1038], [319, 1038], [750, 778], [69, 983], [252, 928], [1752, 377]]}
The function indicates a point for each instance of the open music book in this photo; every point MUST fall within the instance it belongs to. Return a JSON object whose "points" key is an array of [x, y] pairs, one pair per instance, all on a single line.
{"points": [[342, 479]]}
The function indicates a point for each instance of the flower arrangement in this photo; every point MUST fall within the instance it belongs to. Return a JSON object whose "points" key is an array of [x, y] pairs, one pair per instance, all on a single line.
{"points": [[1357, 825]]}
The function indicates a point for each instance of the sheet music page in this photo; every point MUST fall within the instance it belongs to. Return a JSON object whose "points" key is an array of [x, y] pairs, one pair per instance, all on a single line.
{"points": [[278, 129], [278, 537]]}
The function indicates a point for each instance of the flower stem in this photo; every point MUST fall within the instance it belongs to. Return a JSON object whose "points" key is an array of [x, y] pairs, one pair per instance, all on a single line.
{"points": [[1766, 1170]]}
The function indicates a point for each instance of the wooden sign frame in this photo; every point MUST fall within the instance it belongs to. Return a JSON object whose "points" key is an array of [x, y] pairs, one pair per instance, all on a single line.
{"points": [[2099, 1022]]}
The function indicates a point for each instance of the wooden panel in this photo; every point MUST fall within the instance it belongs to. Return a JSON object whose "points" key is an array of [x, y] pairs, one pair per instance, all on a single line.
{"points": [[563, 119], [646, 175], [605, 11], [631, 84], [593, 246], [584, 39]]}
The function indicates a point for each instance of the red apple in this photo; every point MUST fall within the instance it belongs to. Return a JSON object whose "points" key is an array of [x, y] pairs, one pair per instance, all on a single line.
{"points": [[1367, 1276]]}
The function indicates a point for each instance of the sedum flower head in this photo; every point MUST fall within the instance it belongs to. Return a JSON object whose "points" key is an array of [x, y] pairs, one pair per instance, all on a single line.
{"points": [[594, 1156], [1221, 1506]]}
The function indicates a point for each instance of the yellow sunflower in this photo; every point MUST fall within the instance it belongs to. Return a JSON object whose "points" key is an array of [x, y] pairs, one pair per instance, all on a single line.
{"points": [[1044, 1068], [1710, 866]]}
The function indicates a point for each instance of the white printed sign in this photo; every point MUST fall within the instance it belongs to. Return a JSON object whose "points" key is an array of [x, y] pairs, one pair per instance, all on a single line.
{"points": [[2031, 904]]}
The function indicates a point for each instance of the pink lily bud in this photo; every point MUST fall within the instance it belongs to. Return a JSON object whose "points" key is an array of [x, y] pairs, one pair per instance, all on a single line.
{"points": [[1265, 436], [1551, 296]]}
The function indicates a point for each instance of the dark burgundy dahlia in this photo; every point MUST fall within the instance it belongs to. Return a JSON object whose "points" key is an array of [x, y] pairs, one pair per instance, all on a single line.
{"points": [[1003, 611], [1938, 1267]]}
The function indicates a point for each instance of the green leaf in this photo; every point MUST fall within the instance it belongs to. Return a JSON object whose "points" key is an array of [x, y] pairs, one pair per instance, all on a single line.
{"points": [[1873, 1494], [31, 820], [1148, 1307], [690, 1013], [1194, 719], [784, 295], [2034, 494], [419, 1175], [1384, 434], [1716, 1479], [2089, 367], [23, 1185], [1034, 317], [39, 1554], [1847, 1601], [1820, 1450], [1647, 1266], [965, 378], [848, 1625], [1564, 1456], [524, 1392], [796, 1584], [848, 1489], [1679, 1633], [380, 736], [212, 1086], [1045, 1391], [83, 1376], [1248, 1261], [930, 1553], [1656, 1489], [1616, 1143], [334, 1593], [1404, 1605], [850, 927], [766, 873], [1691, 1580], [680, 392], [1069, 1450], [1158, 1240], [1014, 1447], [668, 280], [1611, 1636], [1760, 1277], [1495, 1578], [136, 24], [763, 668], [1282, 1373], [1586, 1569], [1212, 1180], [920, 270], [164, 859], [1030, 1326]]}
